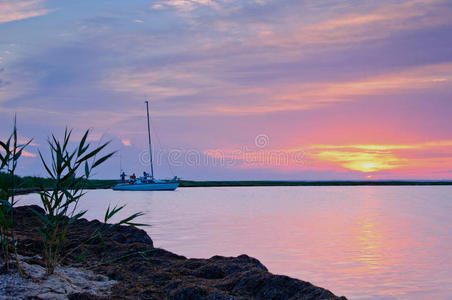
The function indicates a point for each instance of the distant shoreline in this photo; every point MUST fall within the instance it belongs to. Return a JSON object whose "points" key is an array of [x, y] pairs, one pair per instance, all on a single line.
{"points": [[187, 183], [34, 184]]}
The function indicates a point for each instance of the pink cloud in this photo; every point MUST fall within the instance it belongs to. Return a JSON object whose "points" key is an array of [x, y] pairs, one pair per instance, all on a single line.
{"points": [[28, 154], [21, 9], [126, 142]]}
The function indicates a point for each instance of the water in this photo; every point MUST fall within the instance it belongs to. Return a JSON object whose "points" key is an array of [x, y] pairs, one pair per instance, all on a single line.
{"points": [[361, 242]]}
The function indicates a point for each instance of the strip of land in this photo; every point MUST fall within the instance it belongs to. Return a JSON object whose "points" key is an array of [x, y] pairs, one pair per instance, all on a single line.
{"points": [[30, 184], [33, 183], [187, 183]]}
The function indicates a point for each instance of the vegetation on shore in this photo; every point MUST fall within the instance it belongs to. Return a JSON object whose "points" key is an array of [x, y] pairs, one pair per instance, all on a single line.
{"points": [[69, 169], [10, 153], [27, 184]]}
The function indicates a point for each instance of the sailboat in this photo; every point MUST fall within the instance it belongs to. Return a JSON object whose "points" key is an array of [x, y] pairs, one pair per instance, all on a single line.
{"points": [[147, 182]]}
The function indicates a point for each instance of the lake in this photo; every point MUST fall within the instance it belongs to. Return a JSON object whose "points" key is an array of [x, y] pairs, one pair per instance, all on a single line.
{"points": [[363, 242]]}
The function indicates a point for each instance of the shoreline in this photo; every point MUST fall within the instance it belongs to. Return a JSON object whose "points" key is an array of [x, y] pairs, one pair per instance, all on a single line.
{"points": [[126, 255], [32, 184], [109, 184], [188, 183]]}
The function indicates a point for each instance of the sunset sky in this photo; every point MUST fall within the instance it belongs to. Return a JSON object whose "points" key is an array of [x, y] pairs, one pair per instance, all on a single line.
{"points": [[257, 89]]}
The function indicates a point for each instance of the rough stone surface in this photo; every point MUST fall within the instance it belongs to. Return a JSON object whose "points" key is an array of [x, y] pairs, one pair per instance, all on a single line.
{"points": [[64, 282], [126, 255]]}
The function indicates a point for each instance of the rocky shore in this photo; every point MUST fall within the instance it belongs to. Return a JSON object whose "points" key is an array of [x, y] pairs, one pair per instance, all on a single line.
{"points": [[126, 256]]}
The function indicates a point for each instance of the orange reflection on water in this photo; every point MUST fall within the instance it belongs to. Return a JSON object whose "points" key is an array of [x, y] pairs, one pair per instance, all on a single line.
{"points": [[344, 243], [370, 241]]}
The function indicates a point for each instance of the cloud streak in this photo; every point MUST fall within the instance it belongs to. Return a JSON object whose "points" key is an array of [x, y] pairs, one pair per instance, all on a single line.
{"points": [[15, 10], [384, 21], [184, 5], [276, 98]]}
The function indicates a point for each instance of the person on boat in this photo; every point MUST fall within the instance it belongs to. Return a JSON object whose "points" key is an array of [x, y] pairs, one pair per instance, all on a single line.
{"points": [[133, 178], [145, 175], [123, 177]]}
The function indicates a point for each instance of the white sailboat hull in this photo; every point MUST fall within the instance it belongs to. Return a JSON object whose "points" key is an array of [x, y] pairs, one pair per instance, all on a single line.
{"points": [[167, 186]]}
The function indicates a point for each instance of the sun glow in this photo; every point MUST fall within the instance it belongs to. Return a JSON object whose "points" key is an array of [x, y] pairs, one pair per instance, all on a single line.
{"points": [[368, 167], [361, 161], [370, 158]]}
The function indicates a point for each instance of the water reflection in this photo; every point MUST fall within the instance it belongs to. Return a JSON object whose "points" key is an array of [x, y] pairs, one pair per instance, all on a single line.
{"points": [[362, 242]]}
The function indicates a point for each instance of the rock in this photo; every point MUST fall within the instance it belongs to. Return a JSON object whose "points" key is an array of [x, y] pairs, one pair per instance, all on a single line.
{"points": [[60, 285], [196, 293]]}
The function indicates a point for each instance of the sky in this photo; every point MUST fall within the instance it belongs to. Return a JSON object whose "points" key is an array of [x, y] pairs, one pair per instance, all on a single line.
{"points": [[257, 89]]}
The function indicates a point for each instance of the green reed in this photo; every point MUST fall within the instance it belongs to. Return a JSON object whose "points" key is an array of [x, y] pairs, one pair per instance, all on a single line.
{"points": [[10, 153], [69, 170]]}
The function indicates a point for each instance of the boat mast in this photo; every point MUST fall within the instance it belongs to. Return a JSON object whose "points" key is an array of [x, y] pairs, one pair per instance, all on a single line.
{"points": [[149, 138]]}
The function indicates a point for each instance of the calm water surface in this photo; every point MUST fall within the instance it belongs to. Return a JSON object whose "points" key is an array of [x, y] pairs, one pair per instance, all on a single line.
{"points": [[361, 242]]}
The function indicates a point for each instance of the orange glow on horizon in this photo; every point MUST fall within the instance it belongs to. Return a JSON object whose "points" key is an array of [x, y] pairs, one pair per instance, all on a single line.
{"points": [[369, 158], [361, 161], [429, 159]]}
